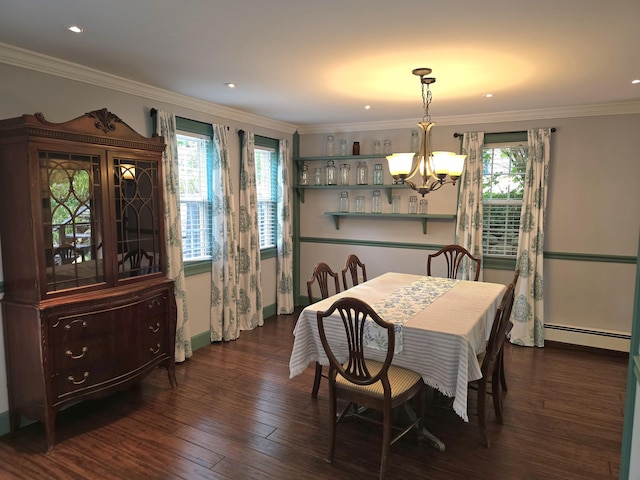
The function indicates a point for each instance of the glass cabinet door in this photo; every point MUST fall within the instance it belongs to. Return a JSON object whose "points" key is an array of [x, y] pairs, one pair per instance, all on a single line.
{"points": [[137, 211], [70, 190]]}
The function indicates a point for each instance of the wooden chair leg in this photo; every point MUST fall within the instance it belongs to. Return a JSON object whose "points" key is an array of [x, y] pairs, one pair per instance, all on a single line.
{"points": [[333, 420], [496, 393], [316, 381], [482, 412], [503, 378], [386, 440]]}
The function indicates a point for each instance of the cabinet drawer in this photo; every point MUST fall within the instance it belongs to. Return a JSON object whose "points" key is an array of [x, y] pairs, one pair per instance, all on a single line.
{"points": [[76, 327], [81, 353], [82, 378]]}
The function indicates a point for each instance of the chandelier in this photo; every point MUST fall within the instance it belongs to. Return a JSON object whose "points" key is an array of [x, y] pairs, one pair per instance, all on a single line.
{"points": [[436, 168]]}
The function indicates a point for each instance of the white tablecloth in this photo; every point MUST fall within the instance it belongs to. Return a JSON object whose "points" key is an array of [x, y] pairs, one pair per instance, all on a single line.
{"points": [[441, 342]]}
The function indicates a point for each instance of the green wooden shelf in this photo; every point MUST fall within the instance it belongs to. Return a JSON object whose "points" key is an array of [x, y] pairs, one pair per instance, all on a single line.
{"points": [[342, 157], [422, 217], [388, 189]]}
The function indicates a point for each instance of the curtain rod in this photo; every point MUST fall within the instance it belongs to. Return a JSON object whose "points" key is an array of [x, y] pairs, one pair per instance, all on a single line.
{"points": [[456, 135]]}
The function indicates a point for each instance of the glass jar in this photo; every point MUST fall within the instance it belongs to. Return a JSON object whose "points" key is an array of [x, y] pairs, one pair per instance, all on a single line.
{"points": [[317, 178], [376, 147], [356, 148], [330, 173], [414, 142], [378, 174], [376, 202], [422, 207], [304, 175], [344, 202], [344, 173], [360, 204], [395, 204], [343, 147], [387, 147], [330, 146], [362, 173], [413, 205]]}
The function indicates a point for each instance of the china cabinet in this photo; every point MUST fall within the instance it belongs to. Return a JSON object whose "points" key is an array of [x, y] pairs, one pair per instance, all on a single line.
{"points": [[87, 307]]}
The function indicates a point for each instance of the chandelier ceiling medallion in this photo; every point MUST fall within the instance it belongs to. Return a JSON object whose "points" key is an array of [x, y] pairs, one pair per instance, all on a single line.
{"points": [[436, 168]]}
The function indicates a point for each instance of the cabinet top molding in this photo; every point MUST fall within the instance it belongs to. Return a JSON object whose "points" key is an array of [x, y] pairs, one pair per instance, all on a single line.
{"points": [[100, 127]]}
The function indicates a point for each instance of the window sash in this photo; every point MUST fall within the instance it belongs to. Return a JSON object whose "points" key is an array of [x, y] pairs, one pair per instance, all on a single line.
{"points": [[267, 191]]}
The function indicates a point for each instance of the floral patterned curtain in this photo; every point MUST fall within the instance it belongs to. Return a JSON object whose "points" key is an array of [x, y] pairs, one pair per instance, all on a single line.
{"points": [[224, 323], [249, 306], [528, 308], [173, 231], [284, 294], [469, 220]]}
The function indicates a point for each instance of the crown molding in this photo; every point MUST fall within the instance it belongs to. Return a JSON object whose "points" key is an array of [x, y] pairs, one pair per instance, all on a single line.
{"points": [[30, 60], [623, 108]]}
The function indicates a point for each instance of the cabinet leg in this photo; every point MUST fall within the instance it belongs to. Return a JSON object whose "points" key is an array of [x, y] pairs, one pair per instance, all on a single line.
{"points": [[171, 372], [50, 428]]}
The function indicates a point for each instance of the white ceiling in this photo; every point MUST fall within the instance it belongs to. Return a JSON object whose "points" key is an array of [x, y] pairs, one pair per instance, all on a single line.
{"points": [[311, 62]]}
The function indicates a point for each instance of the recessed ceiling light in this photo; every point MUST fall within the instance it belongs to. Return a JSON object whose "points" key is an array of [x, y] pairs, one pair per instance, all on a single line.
{"points": [[637, 80], [74, 28], [230, 85], [367, 107], [487, 95]]}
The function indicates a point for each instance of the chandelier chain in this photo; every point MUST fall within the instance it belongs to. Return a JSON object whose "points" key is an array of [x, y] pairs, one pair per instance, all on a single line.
{"points": [[426, 101]]}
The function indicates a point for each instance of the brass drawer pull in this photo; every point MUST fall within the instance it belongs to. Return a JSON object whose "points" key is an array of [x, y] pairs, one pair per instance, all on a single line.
{"points": [[156, 328], [68, 326], [156, 350], [79, 382], [69, 353], [154, 303]]}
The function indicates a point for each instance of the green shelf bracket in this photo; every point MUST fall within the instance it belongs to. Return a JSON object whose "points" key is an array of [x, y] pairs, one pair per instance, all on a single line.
{"points": [[336, 220]]}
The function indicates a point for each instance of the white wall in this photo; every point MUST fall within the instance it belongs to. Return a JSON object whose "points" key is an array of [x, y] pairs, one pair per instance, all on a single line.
{"points": [[593, 208], [27, 91]]}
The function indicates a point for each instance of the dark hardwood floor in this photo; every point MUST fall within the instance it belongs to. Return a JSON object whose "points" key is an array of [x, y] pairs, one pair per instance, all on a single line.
{"points": [[237, 415]]}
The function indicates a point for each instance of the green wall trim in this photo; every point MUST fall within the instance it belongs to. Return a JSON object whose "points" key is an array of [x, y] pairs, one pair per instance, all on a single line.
{"points": [[268, 253], [201, 340], [4, 423], [1, 287], [498, 263], [269, 311], [196, 268], [590, 257], [636, 368]]}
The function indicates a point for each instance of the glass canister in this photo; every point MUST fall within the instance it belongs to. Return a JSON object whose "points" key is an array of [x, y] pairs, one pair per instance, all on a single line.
{"points": [[387, 147], [376, 147], [344, 173], [330, 146], [342, 149], [330, 173], [376, 202], [304, 175], [422, 207], [317, 178], [413, 204], [414, 142], [362, 173], [344, 202], [360, 204], [395, 204], [378, 174]]}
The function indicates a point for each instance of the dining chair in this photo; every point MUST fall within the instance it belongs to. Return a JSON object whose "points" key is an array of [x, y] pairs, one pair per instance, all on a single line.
{"points": [[321, 274], [362, 382], [503, 378], [354, 266], [455, 255], [66, 253], [140, 262], [490, 365]]}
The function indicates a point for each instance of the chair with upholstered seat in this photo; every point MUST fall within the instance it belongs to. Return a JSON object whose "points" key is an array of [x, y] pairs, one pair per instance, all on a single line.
{"points": [[321, 275], [490, 365], [361, 382], [356, 270], [456, 256]]}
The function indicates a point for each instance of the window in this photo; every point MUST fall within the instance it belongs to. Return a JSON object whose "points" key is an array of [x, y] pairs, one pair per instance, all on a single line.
{"points": [[502, 189], [266, 154], [194, 166]]}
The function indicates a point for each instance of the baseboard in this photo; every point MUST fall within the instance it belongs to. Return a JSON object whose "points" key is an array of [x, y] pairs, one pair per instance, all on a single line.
{"points": [[601, 339]]}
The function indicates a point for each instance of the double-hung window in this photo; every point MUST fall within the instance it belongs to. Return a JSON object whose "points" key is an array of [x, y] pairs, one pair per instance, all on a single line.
{"points": [[266, 155], [503, 188], [194, 167]]}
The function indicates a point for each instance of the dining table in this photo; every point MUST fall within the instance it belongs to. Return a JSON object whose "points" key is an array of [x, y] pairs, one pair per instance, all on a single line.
{"points": [[441, 326]]}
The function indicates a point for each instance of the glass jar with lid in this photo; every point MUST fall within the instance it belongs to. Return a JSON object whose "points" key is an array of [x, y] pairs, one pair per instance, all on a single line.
{"points": [[362, 173], [330, 146], [330, 173], [344, 202], [376, 202], [378, 174], [344, 173], [413, 204], [304, 175]]}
